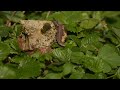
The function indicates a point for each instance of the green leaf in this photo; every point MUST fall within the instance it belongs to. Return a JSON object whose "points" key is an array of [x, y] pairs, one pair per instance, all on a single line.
{"points": [[67, 17], [89, 76], [53, 76], [110, 35], [88, 24], [70, 44], [72, 27], [58, 16], [17, 16], [94, 64], [112, 18], [97, 15], [76, 57], [4, 31], [28, 68], [2, 20], [77, 73], [116, 31], [75, 16], [42, 57], [19, 59], [48, 56], [106, 67], [4, 51], [110, 13], [75, 39], [18, 29], [75, 49], [91, 42], [109, 54], [100, 76], [13, 44], [6, 73], [56, 68], [36, 55], [118, 73], [67, 68], [62, 55]]}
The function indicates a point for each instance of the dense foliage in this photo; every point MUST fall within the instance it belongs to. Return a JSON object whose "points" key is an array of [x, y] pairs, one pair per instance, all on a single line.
{"points": [[92, 48]]}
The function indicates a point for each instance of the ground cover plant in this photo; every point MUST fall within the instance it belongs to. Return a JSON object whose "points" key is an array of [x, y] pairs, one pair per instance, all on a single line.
{"points": [[91, 51]]}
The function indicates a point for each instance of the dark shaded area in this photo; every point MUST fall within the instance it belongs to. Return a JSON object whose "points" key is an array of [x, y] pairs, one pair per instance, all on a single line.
{"points": [[110, 20]]}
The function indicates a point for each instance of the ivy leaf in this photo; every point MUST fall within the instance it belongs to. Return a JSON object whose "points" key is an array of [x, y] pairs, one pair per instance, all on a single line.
{"points": [[109, 54], [6, 73]]}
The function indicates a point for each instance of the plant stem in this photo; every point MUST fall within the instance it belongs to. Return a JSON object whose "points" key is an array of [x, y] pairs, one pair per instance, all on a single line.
{"points": [[48, 14]]}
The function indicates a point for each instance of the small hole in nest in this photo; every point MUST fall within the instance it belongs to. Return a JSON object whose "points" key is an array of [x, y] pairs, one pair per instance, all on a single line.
{"points": [[46, 27]]}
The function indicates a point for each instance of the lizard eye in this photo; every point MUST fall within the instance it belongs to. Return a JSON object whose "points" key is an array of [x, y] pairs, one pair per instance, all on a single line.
{"points": [[46, 27]]}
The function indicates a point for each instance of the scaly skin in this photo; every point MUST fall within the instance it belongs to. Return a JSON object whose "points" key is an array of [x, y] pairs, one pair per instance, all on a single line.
{"points": [[60, 32]]}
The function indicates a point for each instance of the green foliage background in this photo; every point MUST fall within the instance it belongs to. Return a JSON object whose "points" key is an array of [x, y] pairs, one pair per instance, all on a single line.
{"points": [[92, 48]]}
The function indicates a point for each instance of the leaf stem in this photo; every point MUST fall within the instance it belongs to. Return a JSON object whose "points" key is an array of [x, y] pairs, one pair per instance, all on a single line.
{"points": [[48, 14], [111, 76]]}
